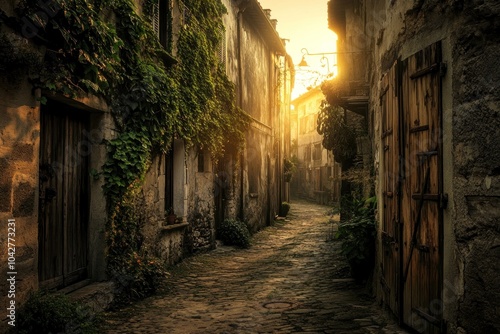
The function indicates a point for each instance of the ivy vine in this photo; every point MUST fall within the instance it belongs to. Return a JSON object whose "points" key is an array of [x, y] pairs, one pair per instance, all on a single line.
{"points": [[338, 135], [109, 49]]}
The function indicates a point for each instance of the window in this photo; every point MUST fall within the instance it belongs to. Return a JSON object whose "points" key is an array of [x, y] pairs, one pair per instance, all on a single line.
{"points": [[302, 110], [204, 162], [307, 153], [161, 21], [311, 124], [254, 168], [201, 161], [303, 125], [222, 50], [317, 151]]}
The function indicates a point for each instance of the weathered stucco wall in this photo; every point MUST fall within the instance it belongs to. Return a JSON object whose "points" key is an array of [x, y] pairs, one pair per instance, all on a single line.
{"points": [[254, 68], [201, 202], [19, 142]]}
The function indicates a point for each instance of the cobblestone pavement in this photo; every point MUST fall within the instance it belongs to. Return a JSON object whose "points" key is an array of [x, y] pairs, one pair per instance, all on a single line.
{"points": [[292, 280]]}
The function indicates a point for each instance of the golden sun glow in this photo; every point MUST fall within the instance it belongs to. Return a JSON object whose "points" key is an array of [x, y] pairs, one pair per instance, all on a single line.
{"points": [[304, 25]]}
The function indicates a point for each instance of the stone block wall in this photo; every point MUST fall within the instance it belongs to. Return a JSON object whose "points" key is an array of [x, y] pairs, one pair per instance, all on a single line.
{"points": [[19, 142], [476, 175], [469, 32]]}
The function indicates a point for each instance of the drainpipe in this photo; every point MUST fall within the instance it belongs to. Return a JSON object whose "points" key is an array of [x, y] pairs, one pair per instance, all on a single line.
{"points": [[277, 105], [242, 8]]}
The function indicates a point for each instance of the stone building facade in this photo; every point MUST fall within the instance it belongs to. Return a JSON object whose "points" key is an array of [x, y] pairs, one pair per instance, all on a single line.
{"points": [[257, 62], [433, 101], [318, 175], [186, 180]]}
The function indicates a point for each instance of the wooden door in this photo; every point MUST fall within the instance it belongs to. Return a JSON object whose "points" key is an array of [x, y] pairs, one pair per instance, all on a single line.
{"points": [[421, 197], [64, 198], [390, 182], [221, 185]]}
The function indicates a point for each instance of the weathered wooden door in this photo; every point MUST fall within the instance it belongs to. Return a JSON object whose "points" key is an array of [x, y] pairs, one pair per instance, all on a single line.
{"points": [[421, 192], [221, 185], [390, 181], [412, 203], [64, 199]]}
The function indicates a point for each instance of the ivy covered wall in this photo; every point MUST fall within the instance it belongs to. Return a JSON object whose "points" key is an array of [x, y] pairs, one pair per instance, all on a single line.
{"points": [[109, 51]]}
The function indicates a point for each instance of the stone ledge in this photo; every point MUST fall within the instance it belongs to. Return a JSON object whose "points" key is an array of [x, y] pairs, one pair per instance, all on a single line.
{"points": [[167, 228], [97, 296]]}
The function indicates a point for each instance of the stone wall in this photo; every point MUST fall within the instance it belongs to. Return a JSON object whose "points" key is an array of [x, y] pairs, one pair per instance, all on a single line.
{"points": [[19, 181], [469, 34], [19, 142], [201, 204], [254, 69], [475, 42]]}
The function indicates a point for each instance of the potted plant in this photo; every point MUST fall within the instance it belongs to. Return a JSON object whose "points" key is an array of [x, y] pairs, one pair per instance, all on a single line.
{"points": [[288, 169], [171, 216], [284, 208], [358, 235]]}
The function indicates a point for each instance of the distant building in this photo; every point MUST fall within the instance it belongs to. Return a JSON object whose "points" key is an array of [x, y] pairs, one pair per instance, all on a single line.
{"points": [[318, 175]]}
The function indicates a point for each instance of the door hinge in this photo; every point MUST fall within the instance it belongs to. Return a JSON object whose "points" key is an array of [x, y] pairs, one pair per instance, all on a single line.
{"points": [[442, 69], [443, 201]]}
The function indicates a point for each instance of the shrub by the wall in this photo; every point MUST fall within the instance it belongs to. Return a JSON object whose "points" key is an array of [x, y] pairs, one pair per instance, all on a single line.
{"points": [[55, 313], [234, 233], [285, 207]]}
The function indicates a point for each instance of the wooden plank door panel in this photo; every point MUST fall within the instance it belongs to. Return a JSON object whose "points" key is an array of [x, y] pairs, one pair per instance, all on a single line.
{"points": [[390, 179], [51, 184], [421, 175], [64, 200], [76, 199]]}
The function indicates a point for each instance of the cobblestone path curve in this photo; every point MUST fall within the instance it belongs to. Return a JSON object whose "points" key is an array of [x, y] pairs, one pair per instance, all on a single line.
{"points": [[292, 280]]}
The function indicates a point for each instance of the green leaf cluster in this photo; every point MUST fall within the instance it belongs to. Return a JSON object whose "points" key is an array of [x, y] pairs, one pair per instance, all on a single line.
{"points": [[289, 168], [208, 113], [338, 135], [358, 233], [234, 233], [55, 313], [284, 208]]}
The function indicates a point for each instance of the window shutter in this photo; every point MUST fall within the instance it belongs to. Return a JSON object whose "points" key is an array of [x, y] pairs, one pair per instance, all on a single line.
{"points": [[222, 49], [155, 18]]}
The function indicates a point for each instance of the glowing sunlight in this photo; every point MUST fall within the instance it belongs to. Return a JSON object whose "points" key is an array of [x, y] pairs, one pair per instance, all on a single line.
{"points": [[304, 26]]}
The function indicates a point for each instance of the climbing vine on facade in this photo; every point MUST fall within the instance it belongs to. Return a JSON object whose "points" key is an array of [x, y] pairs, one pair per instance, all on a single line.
{"points": [[338, 135], [109, 49]]}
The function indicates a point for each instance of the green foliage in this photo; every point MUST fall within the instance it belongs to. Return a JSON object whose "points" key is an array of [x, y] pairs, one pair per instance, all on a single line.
{"points": [[208, 114], [109, 49], [55, 313], [16, 59], [137, 273], [358, 233], [289, 169], [338, 135], [284, 208], [137, 276], [234, 232]]}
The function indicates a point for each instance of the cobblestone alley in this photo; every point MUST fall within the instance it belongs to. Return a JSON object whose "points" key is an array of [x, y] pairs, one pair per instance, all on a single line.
{"points": [[292, 280]]}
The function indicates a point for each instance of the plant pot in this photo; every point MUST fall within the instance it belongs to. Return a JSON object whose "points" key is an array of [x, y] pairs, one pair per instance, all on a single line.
{"points": [[361, 269], [171, 219]]}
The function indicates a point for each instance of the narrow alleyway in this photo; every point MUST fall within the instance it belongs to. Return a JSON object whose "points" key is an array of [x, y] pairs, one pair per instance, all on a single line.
{"points": [[292, 280]]}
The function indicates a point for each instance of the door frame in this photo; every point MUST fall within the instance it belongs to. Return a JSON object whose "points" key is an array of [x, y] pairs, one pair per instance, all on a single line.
{"points": [[71, 153]]}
